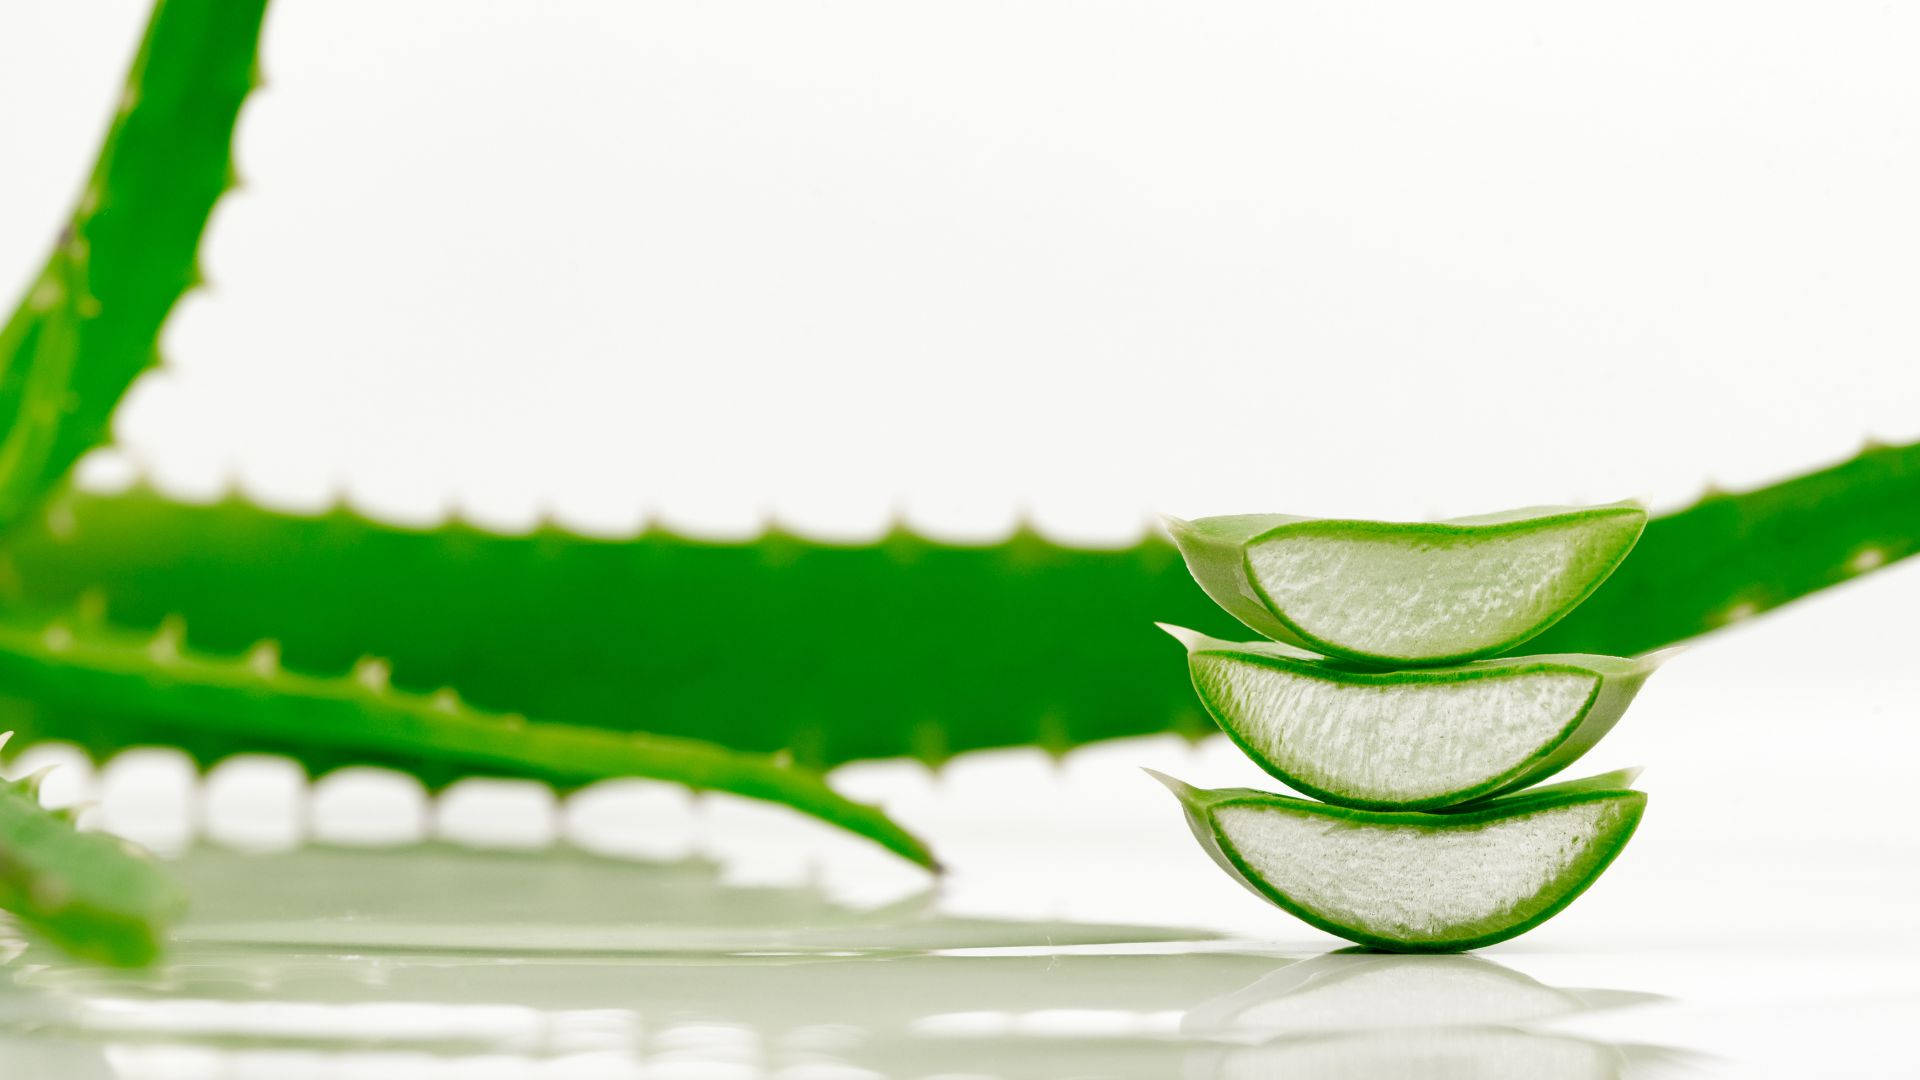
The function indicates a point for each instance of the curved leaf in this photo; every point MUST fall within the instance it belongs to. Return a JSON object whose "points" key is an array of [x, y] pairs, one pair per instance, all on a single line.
{"points": [[107, 691], [90, 320]]}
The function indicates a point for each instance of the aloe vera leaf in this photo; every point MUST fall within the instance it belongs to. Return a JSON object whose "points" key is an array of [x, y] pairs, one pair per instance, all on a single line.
{"points": [[1733, 555], [904, 647], [1411, 882], [1416, 739], [107, 691], [90, 320], [1407, 593], [94, 895]]}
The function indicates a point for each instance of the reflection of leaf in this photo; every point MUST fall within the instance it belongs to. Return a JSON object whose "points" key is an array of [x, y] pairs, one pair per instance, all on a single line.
{"points": [[560, 930], [529, 943], [562, 900]]}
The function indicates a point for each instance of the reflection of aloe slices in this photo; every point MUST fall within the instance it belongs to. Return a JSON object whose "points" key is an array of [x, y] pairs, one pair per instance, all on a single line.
{"points": [[1354, 990], [1418, 882], [1407, 593], [1482, 1053], [1412, 740]]}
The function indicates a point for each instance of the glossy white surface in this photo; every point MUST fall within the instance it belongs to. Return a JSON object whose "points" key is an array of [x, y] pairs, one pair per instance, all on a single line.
{"points": [[1413, 260], [1766, 903]]}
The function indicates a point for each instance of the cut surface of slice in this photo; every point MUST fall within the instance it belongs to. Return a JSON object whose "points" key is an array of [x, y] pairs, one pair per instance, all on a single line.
{"points": [[1404, 593], [1415, 882], [1417, 739]]}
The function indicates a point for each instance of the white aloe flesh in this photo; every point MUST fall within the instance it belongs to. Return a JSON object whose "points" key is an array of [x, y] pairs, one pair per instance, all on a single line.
{"points": [[1418, 882], [1418, 739], [1407, 593]]}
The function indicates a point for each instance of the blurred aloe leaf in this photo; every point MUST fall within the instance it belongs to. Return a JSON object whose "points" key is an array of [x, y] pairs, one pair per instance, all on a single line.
{"points": [[90, 320], [89, 323], [92, 894], [839, 652], [107, 691]]}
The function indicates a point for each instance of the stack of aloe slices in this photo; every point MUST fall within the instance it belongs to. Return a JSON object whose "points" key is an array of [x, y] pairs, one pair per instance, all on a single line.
{"points": [[1384, 694]]}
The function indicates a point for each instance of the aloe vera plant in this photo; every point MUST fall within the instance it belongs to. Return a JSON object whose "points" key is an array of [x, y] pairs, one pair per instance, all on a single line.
{"points": [[1024, 642], [94, 894], [1417, 882], [1418, 739]]}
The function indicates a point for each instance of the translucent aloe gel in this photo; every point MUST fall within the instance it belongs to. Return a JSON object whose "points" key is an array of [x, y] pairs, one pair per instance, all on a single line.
{"points": [[1427, 837]]}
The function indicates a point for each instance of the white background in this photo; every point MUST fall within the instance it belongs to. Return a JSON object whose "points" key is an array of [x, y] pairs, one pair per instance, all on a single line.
{"points": [[1093, 259], [835, 261]]}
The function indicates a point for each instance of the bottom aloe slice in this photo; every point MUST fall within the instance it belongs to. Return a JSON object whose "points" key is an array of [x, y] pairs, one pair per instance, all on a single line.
{"points": [[1418, 739], [1419, 882]]}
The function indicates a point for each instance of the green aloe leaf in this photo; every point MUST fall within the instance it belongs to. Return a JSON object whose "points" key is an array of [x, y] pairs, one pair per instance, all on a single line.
{"points": [[107, 691], [94, 895], [1415, 882], [1407, 593], [1022, 642], [91, 318], [1417, 739]]}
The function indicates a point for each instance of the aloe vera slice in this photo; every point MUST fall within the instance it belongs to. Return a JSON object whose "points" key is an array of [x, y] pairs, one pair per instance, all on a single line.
{"points": [[1418, 739], [94, 895], [1415, 882], [1402, 593]]}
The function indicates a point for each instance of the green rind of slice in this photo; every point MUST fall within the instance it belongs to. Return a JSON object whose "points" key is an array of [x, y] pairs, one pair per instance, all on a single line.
{"points": [[1419, 739], [1410, 882], [94, 895], [1399, 594]]}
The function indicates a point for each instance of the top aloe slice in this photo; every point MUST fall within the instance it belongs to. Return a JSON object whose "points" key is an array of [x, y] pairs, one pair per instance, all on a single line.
{"points": [[1407, 593], [1419, 739], [1414, 882]]}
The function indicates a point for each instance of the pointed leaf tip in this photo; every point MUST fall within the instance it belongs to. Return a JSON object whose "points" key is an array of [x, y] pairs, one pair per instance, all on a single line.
{"points": [[1180, 788], [1193, 640], [1174, 525], [1658, 658]]}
